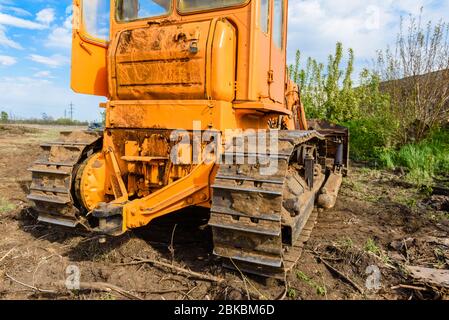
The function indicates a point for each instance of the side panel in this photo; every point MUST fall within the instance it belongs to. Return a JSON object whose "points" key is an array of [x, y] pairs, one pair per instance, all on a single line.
{"points": [[89, 71]]}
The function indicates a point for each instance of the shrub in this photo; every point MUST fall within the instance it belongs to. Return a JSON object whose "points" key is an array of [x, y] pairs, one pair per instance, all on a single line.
{"points": [[424, 160]]}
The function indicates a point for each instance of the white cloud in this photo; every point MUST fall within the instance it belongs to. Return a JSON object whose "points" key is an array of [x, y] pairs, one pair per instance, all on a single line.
{"points": [[16, 10], [53, 61], [7, 42], [43, 74], [7, 60], [61, 37], [46, 16], [9, 20], [43, 20], [366, 26]]}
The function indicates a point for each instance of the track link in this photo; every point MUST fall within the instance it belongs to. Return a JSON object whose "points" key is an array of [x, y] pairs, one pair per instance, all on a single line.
{"points": [[260, 223], [52, 186]]}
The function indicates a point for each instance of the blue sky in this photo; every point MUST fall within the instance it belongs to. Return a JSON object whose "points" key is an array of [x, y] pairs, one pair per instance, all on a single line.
{"points": [[35, 45]]}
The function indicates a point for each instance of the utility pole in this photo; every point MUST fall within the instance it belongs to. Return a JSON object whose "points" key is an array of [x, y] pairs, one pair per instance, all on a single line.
{"points": [[65, 113], [71, 111]]}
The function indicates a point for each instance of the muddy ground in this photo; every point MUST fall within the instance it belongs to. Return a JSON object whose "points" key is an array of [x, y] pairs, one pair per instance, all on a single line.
{"points": [[359, 250]]}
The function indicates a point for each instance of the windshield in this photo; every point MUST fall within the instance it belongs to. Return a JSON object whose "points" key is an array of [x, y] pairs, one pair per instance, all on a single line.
{"points": [[198, 5], [96, 18], [128, 10]]}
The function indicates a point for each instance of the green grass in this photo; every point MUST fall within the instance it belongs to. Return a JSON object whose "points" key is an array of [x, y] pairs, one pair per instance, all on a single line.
{"points": [[371, 246], [372, 139], [291, 293], [425, 160], [346, 243], [369, 137], [6, 206], [320, 290]]}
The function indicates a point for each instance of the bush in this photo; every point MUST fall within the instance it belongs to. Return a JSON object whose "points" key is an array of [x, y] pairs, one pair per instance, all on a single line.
{"points": [[370, 137], [396, 112], [424, 160]]}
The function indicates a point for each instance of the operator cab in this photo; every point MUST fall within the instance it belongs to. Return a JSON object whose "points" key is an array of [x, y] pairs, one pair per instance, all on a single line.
{"points": [[226, 50]]}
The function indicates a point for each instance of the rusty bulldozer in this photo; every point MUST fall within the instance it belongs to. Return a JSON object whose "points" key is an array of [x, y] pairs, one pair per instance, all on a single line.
{"points": [[200, 112]]}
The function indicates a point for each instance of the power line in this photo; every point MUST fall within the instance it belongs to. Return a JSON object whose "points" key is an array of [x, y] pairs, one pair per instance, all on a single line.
{"points": [[71, 111]]}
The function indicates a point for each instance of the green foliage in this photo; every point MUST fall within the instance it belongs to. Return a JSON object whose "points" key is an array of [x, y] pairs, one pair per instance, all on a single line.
{"points": [[386, 125], [415, 75], [424, 160], [6, 206], [4, 117], [346, 243], [291, 293], [328, 91], [302, 276], [103, 117], [320, 290], [371, 246], [370, 136]]}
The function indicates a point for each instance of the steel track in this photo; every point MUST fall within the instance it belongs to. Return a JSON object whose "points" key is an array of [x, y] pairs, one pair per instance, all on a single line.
{"points": [[254, 227], [53, 177]]}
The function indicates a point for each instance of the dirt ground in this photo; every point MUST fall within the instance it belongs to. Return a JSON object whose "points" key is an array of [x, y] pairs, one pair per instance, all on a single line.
{"points": [[359, 250]]}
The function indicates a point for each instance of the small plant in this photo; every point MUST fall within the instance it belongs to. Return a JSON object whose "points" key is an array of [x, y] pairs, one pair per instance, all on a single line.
{"points": [[320, 290], [6, 206], [371, 246], [346, 243], [302, 276], [291, 293]]}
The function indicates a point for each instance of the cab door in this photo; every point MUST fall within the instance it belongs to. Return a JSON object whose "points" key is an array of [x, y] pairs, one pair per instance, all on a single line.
{"points": [[91, 20], [278, 58]]}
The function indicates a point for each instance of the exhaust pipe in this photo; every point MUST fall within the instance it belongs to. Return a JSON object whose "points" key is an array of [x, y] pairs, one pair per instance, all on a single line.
{"points": [[329, 192]]}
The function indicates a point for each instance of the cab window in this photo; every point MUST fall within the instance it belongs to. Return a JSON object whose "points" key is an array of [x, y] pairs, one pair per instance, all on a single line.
{"points": [[264, 14], [96, 19], [186, 6], [129, 10], [278, 23]]}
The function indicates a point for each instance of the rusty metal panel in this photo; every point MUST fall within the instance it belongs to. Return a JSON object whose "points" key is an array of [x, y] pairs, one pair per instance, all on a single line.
{"points": [[162, 62]]}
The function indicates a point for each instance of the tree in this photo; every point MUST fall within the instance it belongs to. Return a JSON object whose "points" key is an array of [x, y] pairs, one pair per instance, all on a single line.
{"points": [[327, 95], [416, 75], [4, 116]]}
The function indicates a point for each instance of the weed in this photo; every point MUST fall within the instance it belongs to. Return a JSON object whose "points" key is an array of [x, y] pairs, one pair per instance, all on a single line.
{"points": [[371, 246], [291, 293], [302, 276], [6, 206], [424, 160], [320, 290], [346, 243]]}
